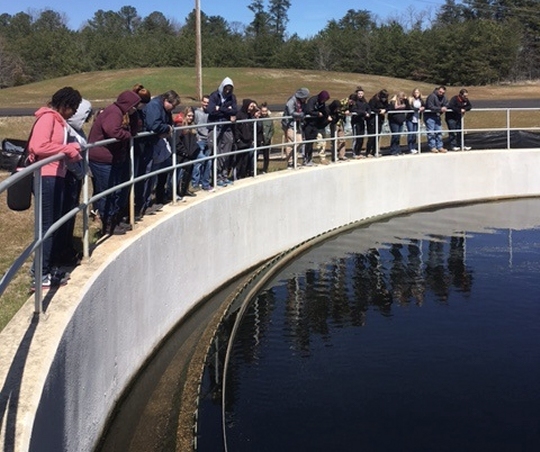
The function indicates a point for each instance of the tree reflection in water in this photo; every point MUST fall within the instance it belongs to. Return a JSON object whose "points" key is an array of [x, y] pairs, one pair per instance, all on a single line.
{"points": [[336, 294]]}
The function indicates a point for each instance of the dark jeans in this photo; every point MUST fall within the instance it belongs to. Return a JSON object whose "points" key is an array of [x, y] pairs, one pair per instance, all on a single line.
{"points": [[266, 156], [359, 130], [395, 128], [454, 132], [371, 147], [72, 193], [244, 165], [143, 165], [52, 195], [310, 133], [183, 175]]}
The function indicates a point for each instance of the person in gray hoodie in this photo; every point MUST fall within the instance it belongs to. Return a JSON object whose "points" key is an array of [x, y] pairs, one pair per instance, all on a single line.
{"points": [[222, 107], [293, 116], [68, 254]]}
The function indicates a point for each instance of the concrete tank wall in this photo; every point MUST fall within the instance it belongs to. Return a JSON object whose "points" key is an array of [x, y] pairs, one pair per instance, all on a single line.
{"points": [[99, 329]]}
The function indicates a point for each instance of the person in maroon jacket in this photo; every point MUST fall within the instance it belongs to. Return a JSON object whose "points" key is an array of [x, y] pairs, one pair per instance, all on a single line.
{"points": [[109, 163], [457, 107]]}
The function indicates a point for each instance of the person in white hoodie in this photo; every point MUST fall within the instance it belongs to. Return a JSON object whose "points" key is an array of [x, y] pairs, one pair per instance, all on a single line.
{"points": [[222, 107]]}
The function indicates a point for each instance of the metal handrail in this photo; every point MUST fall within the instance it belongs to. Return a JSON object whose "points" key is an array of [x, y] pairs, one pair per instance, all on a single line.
{"points": [[35, 247]]}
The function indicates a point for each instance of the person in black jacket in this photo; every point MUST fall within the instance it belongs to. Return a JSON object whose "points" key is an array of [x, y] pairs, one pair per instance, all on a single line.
{"points": [[317, 118], [457, 107], [244, 138], [338, 111], [379, 106], [360, 113]]}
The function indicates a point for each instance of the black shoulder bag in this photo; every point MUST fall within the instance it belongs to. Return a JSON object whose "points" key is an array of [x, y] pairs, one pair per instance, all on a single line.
{"points": [[19, 195]]}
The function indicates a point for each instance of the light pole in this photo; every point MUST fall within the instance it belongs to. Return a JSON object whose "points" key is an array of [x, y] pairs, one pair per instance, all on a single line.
{"points": [[198, 56]]}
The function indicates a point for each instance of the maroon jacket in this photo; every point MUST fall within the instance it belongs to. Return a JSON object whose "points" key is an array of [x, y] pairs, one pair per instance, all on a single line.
{"points": [[110, 123]]}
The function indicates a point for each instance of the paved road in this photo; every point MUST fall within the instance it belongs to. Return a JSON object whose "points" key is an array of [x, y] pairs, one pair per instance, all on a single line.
{"points": [[503, 103]]}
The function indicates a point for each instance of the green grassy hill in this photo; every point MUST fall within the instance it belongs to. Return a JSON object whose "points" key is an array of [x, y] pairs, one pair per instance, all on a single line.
{"points": [[271, 85]]}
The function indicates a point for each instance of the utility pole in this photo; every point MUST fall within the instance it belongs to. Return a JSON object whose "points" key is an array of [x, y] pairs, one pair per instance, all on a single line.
{"points": [[198, 52]]}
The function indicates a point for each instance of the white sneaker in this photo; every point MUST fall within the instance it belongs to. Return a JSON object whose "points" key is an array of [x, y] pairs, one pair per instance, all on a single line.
{"points": [[50, 280], [467, 148], [414, 151], [455, 148]]}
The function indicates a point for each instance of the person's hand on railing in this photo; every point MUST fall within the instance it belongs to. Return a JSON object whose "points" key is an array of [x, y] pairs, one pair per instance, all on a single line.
{"points": [[73, 153]]}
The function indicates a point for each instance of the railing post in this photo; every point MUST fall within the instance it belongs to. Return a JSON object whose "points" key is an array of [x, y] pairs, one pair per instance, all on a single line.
{"points": [[85, 211], [336, 144], [295, 144], [132, 186], [462, 133], [174, 174], [255, 153], [38, 234], [508, 143], [214, 154], [377, 137]]}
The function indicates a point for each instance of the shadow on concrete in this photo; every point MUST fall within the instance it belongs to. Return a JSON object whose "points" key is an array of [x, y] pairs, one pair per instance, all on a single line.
{"points": [[10, 392]]}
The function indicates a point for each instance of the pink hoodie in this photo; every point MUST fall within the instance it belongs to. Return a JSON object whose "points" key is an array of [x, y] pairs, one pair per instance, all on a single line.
{"points": [[49, 137]]}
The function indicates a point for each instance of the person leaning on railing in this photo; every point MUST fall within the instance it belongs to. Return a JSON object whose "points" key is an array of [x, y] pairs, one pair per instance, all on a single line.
{"points": [[436, 105], [378, 105], [109, 163], [457, 107], [48, 138], [396, 118], [293, 116]]}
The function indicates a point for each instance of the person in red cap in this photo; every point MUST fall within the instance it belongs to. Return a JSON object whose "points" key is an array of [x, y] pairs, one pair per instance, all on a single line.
{"points": [[316, 119]]}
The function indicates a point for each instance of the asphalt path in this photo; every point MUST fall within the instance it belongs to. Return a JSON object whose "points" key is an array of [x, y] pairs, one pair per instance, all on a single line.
{"points": [[491, 103]]}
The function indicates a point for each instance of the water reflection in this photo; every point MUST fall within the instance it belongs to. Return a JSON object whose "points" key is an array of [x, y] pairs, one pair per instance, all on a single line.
{"points": [[341, 339]]}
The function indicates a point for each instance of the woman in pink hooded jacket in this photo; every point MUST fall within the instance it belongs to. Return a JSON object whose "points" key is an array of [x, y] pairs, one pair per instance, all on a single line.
{"points": [[50, 137]]}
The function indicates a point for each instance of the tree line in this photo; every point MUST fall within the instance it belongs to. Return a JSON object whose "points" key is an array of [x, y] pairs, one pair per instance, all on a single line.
{"points": [[474, 42]]}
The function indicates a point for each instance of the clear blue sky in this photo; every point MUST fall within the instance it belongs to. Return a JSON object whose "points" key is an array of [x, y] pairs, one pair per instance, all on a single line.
{"points": [[306, 17]]}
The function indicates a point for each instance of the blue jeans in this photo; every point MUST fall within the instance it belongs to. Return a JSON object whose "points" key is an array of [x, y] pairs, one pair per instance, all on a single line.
{"points": [[434, 132], [411, 137], [201, 171], [106, 176], [52, 195]]}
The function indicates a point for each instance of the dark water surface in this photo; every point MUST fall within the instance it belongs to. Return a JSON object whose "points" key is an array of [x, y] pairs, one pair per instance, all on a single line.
{"points": [[418, 333]]}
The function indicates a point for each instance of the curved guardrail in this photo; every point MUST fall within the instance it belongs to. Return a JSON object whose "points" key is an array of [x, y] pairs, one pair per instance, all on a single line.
{"points": [[87, 200]]}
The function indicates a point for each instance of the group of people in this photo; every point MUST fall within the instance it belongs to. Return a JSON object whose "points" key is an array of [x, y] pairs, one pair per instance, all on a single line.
{"points": [[220, 123], [307, 116], [58, 128]]}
